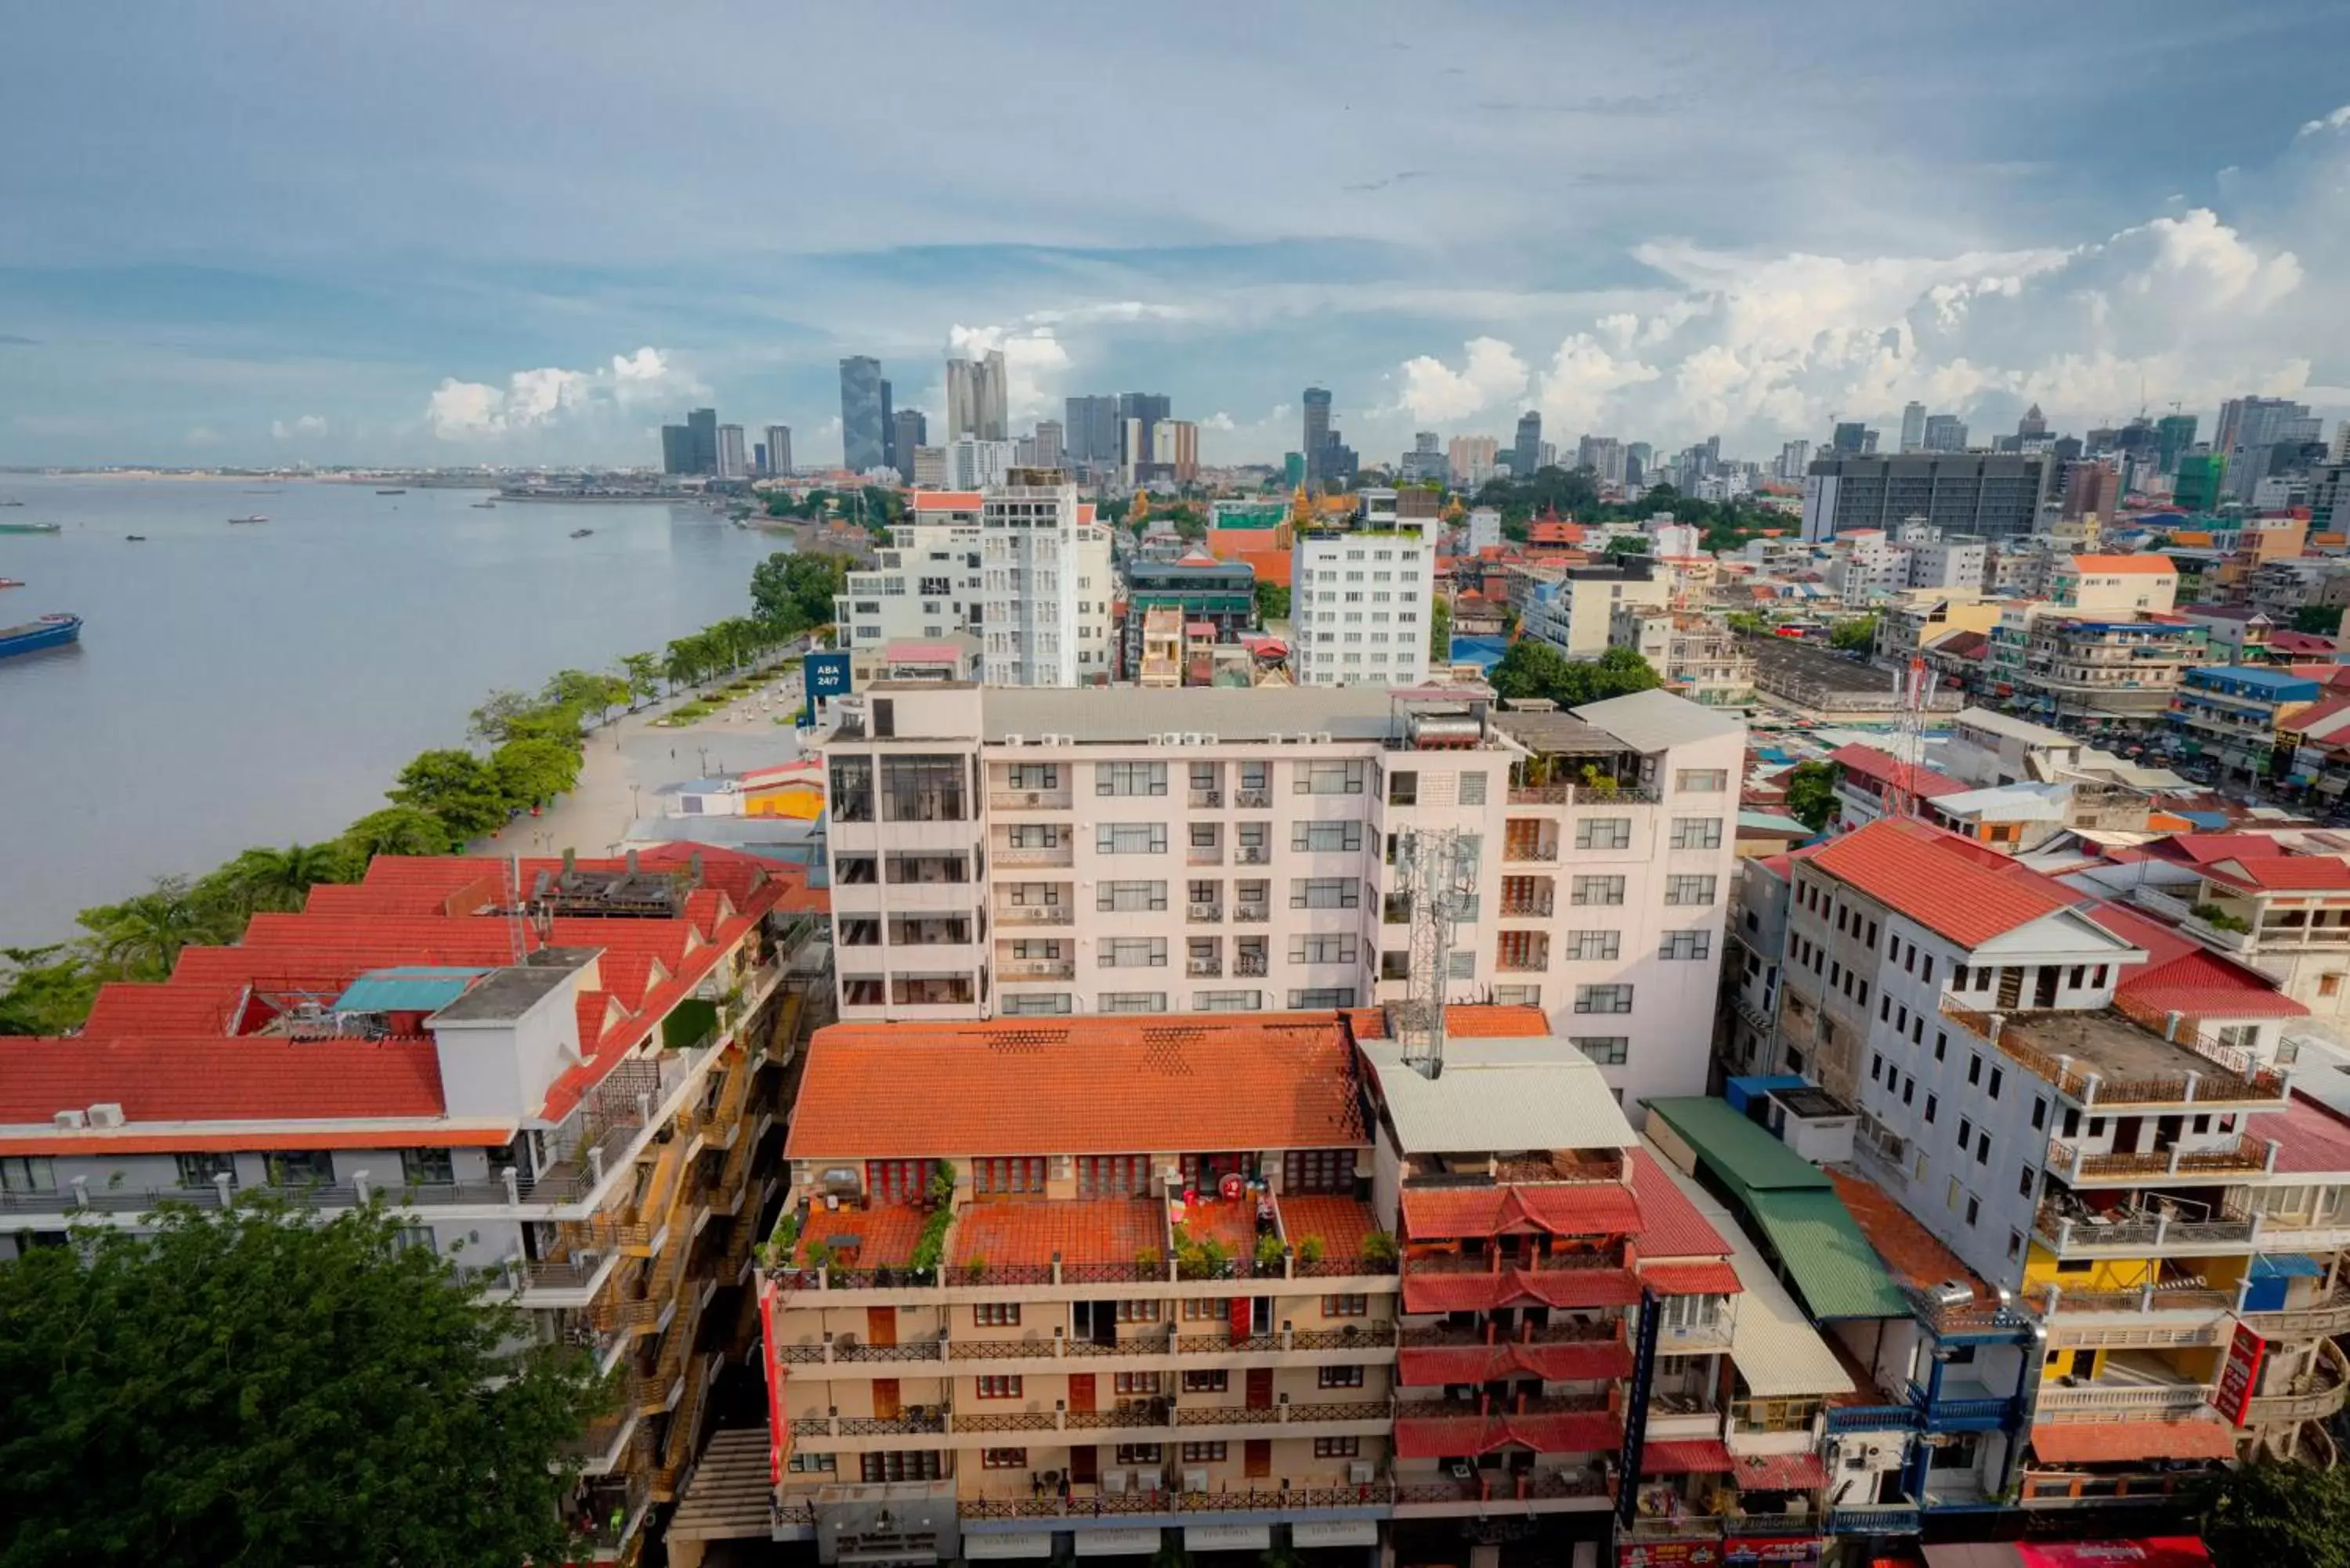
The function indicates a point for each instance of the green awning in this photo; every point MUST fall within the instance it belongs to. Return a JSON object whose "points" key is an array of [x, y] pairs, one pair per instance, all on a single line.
{"points": [[410, 987], [1826, 1259], [1739, 1152]]}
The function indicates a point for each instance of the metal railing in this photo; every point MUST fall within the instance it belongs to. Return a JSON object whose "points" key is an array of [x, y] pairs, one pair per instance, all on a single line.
{"points": [[1252, 914], [1253, 799]]}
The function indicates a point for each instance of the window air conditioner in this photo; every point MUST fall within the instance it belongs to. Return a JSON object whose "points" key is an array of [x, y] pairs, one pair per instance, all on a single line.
{"points": [[1360, 1473], [1113, 1483], [1195, 1481]]}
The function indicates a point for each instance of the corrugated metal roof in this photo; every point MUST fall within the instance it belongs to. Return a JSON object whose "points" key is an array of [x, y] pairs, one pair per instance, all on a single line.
{"points": [[1738, 1150], [421, 988], [1499, 1095], [1652, 720], [1776, 1350], [1836, 1271]]}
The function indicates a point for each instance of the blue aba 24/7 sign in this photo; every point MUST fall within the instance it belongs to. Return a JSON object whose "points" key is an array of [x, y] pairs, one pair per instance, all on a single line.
{"points": [[823, 675]]}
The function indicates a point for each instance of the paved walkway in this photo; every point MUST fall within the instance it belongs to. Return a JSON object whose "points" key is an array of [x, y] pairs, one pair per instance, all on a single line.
{"points": [[629, 761]]}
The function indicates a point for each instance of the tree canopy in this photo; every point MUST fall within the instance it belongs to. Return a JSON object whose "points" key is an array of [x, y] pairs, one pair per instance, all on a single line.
{"points": [[1811, 795], [2265, 1515], [1854, 633], [793, 593], [458, 787], [261, 1388], [1533, 668], [1271, 602]]}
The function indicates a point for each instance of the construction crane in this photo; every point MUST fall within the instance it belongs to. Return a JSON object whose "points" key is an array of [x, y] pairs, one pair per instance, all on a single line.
{"points": [[1439, 877]]}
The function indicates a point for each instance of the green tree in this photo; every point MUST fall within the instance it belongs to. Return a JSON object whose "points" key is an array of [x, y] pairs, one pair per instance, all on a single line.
{"points": [[282, 878], [2265, 1515], [1529, 668], [1746, 623], [1439, 632], [532, 772], [263, 1387], [44, 991], [643, 671], [1811, 795], [142, 937], [2318, 620], [398, 830], [456, 786], [1854, 634], [1271, 602], [1627, 544], [794, 592]]}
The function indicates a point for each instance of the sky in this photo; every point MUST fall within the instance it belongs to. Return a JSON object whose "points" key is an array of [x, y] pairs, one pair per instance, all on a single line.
{"points": [[531, 233]]}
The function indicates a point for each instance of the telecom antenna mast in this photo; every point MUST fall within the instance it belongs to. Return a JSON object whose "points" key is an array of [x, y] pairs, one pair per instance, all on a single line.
{"points": [[1914, 684], [1439, 879]]}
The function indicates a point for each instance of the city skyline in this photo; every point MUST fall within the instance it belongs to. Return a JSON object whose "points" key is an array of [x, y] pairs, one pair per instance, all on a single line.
{"points": [[1693, 270]]}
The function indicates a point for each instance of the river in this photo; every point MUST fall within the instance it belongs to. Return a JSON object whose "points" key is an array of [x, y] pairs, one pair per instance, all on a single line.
{"points": [[261, 684]]}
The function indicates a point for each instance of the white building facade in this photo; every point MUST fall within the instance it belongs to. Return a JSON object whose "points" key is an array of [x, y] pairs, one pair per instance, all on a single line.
{"points": [[1046, 588], [1361, 604]]}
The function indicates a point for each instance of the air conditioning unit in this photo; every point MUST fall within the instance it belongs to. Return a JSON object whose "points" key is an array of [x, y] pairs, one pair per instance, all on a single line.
{"points": [[70, 1121], [1113, 1483], [1014, 740], [108, 1114], [1195, 1481], [1192, 737], [1360, 1473]]}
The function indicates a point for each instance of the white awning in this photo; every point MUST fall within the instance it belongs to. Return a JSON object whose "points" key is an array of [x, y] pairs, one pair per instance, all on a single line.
{"points": [[1013, 1544], [1228, 1537], [1115, 1543], [1337, 1532]]}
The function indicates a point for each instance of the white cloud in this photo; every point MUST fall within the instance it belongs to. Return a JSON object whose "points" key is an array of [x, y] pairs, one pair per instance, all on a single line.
{"points": [[2339, 118], [201, 435], [1219, 420], [1111, 312], [1035, 360], [1435, 393], [301, 429], [544, 399]]}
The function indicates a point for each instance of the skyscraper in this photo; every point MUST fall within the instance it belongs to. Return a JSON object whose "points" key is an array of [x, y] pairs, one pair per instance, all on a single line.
{"points": [[978, 398], [863, 445], [1913, 425], [994, 391], [1850, 438], [779, 449], [1944, 432], [734, 462], [1317, 432], [677, 450], [1997, 497], [908, 429], [2249, 427], [1089, 433], [1150, 409], [2173, 434], [701, 430], [962, 399], [1472, 459], [1050, 442], [1525, 455], [888, 424], [2033, 425], [1639, 458]]}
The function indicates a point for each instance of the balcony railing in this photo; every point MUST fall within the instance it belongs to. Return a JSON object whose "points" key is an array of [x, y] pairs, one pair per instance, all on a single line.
{"points": [[1036, 969], [1036, 855], [1205, 914], [1203, 969], [1204, 855], [2248, 1155], [1029, 799], [1249, 964], [1251, 854], [2137, 1401], [1253, 799], [1035, 915], [1252, 914], [2329, 1316], [2233, 1078], [2068, 1233], [2151, 1299], [1207, 799], [2312, 1396], [1524, 850], [1526, 908]]}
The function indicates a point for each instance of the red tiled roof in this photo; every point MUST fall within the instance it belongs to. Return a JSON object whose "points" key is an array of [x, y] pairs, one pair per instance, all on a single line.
{"points": [[882, 1238], [1089, 1085], [1706, 1279], [2183, 976], [1670, 1225], [2103, 1442], [1443, 1437], [1565, 1432], [1889, 770], [1479, 1020], [1517, 1287], [1568, 1432], [1580, 1209], [1777, 1472], [1338, 1223], [1569, 1362], [1694, 1456], [2310, 1140], [1908, 1249], [1909, 867], [2282, 873], [162, 1078], [1081, 1231]]}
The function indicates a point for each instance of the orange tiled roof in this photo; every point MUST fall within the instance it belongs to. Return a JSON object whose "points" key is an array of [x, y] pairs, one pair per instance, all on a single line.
{"points": [[1714, 1278], [1518, 1287], [1908, 867], [1231, 1225], [1670, 1225], [2142, 565], [1082, 1231], [1338, 1223], [882, 1238], [1572, 1361], [2103, 1442], [1575, 1209], [1090, 1085], [1908, 1247]]}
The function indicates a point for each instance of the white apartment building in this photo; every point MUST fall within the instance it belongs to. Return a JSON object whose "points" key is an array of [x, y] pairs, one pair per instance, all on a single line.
{"points": [[1013, 853], [975, 464], [1576, 614], [1362, 598], [926, 583], [1047, 585]]}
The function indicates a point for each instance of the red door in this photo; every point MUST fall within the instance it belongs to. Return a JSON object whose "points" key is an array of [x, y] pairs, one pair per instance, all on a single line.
{"points": [[1081, 1390], [880, 1326], [1239, 1315], [1256, 1458], [885, 1398], [1085, 1465], [1260, 1388]]}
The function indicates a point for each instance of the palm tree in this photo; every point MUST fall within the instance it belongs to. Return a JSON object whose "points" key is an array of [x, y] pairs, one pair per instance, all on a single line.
{"points": [[282, 878], [396, 830], [142, 937]]}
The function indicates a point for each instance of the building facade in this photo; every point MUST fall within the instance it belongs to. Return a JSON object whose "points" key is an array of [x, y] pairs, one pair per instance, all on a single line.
{"points": [[1994, 497], [1362, 592], [864, 421], [1048, 587]]}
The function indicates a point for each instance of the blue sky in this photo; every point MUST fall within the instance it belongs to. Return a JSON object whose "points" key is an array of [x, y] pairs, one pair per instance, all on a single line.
{"points": [[463, 232]]}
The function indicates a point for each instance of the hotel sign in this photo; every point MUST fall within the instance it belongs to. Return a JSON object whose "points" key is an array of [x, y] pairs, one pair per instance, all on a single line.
{"points": [[2240, 1375]]}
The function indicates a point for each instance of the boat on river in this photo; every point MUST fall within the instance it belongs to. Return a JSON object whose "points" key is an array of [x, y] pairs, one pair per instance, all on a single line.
{"points": [[581, 532], [32, 527], [250, 517], [48, 631]]}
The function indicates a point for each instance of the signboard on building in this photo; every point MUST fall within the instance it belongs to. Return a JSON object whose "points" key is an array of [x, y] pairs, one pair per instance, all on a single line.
{"points": [[2240, 1375], [825, 675], [1669, 1554], [1786, 1550]]}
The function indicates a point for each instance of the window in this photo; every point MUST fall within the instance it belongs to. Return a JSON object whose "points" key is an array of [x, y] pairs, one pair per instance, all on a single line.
{"points": [[1144, 1310], [1138, 1454], [1113, 1175], [1203, 1453], [1034, 775], [924, 789], [1003, 1458], [1403, 787], [1325, 893], [1686, 945], [1346, 1306], [1982, 1149], [1991, 1088], [996, 1314], [1697, 833], [428, 1166], [1133, 1001], [1338, 1447], [1701, 781], [1339, 1378], [1329, 778], [1322, 947], [2026, 1179], [998, 1387], [1315, 999], [1605, 1050], [1131, 839], [1473, 789], [1974, 1208], [1033, 1004], [1974, 1069], [302, 1167], [1688, 889], [1317, 1170], [1207, 1309], [1595, 891], [1966, 1132], [998, 1177], [1603, 833], [898, 1181], [1213, 1381], [1603, 999], [1129, 778], [1127, 898], [29, 1174], [900, 1465], [1326, 838], [1227, 1002], [806, 1462], [2039, 1114], [1132, 952], [851, 795]]}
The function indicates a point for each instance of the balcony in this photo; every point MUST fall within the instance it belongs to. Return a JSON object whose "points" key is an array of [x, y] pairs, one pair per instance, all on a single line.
{"points": [[1205, 914], [1249, 964], [2103, 1402], [1035, 855], [1203, 967], [1529, 851], [1035, 915], [1035, 969], [1876, 1519], [2138, 1233], [1252, 855], [2247, 1155], [1252, 914], [1204, 855], [2107, 1061], [2312, 1396], [1248, 799], [2185, 1297], [1029, 800], [1533, 909], [2329, 1316], [1206, 800]]}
